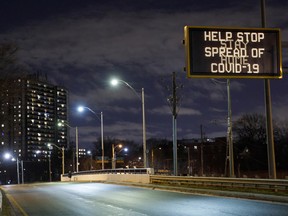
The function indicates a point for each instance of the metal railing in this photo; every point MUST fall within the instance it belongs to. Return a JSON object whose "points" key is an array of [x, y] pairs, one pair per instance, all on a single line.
{"points": [[279, 185]]}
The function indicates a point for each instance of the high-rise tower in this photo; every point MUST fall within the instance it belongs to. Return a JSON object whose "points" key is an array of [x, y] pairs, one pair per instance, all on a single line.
{"points": [[30, 108]]}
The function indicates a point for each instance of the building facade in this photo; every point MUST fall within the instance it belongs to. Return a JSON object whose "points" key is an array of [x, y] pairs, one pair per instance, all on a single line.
{"points": [[30, 108]]}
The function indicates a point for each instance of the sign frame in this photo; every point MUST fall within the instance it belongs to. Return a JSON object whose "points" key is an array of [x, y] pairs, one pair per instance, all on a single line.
{"points": [[190, 62]]}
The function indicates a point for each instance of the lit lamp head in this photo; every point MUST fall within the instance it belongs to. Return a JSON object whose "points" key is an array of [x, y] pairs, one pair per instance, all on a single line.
{"points": [[7, 156], [80, 109], [114, 82]]}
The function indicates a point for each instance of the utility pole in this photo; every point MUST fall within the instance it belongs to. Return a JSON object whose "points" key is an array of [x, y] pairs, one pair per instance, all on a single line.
{"points": [[174, 124], [174, 103]]}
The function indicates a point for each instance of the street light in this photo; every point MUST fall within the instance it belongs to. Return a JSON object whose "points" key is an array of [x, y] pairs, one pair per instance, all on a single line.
{"points": [[90, 153], [115, 82], [81, 109], [114, 154], [76, 142], [63, 164], [9, 156]]}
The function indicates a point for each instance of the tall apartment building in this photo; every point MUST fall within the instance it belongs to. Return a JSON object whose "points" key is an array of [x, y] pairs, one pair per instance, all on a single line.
{"points": [[30, 109]]}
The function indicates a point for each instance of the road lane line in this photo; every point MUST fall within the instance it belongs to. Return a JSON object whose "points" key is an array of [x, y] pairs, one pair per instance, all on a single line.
{"points": [[14, 203]]}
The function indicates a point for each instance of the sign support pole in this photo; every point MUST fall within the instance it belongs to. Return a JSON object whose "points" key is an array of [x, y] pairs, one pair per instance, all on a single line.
{"points": [[229, 133], [268, 107], [174, 124]]}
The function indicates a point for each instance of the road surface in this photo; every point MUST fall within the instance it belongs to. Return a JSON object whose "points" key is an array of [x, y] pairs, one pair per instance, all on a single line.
{"points": [[109, 200]]}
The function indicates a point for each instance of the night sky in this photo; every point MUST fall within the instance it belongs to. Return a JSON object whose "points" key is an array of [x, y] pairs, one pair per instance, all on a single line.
{"points": [[82, 45]]}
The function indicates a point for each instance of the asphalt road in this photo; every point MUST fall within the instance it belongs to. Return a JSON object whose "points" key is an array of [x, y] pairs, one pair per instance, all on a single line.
{"points": [[109, 200]]}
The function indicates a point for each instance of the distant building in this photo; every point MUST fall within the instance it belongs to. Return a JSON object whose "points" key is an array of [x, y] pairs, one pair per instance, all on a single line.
{"points": [[30, 109], [82, 152]]}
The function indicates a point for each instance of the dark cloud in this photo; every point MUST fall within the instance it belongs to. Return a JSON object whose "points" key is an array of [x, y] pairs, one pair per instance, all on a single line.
{"points": [[83, 44]]}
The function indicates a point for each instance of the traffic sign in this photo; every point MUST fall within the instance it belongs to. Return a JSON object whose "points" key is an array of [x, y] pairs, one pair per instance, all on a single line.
{"points": [[213, 52]]}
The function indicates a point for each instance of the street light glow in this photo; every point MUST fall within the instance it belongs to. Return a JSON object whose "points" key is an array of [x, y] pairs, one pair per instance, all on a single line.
{"points": [[114, 82], [80, 109], [7, 156]]}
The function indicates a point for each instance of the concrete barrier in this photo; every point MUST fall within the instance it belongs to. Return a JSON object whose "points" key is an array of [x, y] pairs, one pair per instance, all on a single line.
{"points": [[131, 178], [129, 175]]}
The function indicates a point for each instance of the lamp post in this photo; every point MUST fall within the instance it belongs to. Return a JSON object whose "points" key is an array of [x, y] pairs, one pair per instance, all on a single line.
{"points": [[8, 156], [81, 109], [49, 164], [115, 82], [76, 143], [114, 154], [63, 155], [90, 153]]}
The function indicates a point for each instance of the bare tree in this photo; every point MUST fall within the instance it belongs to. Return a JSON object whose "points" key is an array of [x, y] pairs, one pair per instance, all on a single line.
{"points": [[250, 142]]}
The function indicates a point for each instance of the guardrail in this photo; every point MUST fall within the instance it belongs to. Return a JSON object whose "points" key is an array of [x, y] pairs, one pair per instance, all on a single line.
{"points": [[272, 185]]}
